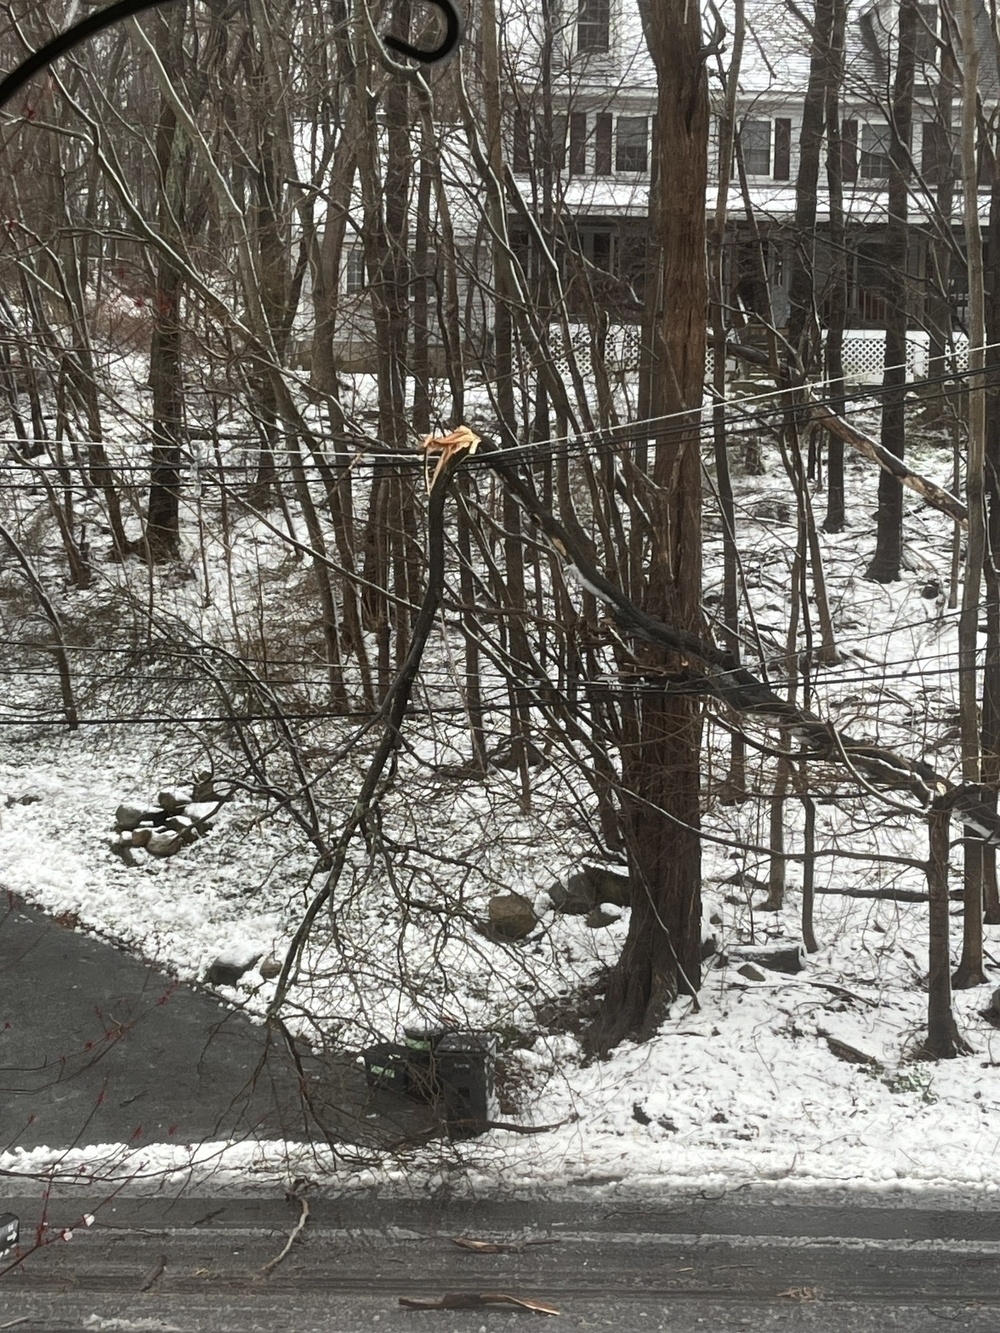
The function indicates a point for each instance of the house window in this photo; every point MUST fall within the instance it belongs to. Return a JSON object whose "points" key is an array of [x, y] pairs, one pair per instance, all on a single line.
{"points": [[632, 147], [755, 145], [355, 278], [925, 42], [875, 144], [578, 143], [593, 26], [521, 143], [598, 247], [603, 129]]}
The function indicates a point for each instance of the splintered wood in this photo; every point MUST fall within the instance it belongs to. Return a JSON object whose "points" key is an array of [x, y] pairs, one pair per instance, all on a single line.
{"points": [[476, 1300]]}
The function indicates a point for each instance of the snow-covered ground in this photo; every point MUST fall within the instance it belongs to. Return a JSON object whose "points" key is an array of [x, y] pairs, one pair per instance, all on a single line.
{"points": [[750, 1086]]}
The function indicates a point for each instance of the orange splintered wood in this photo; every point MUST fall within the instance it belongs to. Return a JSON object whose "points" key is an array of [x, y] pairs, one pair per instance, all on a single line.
{"points": [[448, 446]]}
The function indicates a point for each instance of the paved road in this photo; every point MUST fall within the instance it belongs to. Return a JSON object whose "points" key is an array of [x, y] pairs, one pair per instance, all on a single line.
{"points": [[207, 1264], [98, 1047]]}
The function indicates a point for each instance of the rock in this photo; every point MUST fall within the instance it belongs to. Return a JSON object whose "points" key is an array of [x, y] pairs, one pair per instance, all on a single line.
{"points": [[201, 813], [28, 798], [228, 968], [140, 836], [207, 788], [587, 888], [604, 914], [711, 924], [130, 814], [573, 904], [173, 799], [751, 972], [992, 1012], [709, 947], [507, 759], [775, 510], [163, 842], [512, 916], [271, 967], [788, 957], [123, 850]]}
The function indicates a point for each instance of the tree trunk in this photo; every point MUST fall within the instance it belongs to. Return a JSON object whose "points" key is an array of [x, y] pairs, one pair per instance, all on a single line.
{"points": [[836, 514], [162, 533], [970, 970], [802, 331], [888, 558], [661, 956], [990, 736], [943, 1041]]}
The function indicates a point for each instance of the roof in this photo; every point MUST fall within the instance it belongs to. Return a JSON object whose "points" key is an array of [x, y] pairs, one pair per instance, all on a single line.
{"points": [[861, 205]]}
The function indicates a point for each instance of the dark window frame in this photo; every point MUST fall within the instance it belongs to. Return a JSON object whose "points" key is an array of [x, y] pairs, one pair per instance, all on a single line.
{"points": [[925, 43], [603, 140], [632, 144], [782, 160], [593, 27], [875, 161], [578, 143], [763, 130], [355, 271]]}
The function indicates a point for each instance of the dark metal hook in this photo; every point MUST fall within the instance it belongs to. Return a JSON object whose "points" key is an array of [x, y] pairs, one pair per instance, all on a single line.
{"points": [[452, 37], [65, 41], [122, 9]]}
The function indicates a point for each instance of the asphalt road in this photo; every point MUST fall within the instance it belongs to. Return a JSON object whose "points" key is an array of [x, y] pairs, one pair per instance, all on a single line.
{"points": [[97, 1046], [194, 1265]]}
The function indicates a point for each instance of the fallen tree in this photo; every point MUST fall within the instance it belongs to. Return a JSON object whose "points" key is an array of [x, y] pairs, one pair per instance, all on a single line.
{"points": [[713, 671]]}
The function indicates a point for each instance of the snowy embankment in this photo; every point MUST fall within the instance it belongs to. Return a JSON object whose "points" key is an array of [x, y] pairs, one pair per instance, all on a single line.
{"points": [[805, 1081]]}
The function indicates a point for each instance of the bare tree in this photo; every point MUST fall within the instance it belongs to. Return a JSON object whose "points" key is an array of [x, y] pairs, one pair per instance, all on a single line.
{"points": [[661, 758]]}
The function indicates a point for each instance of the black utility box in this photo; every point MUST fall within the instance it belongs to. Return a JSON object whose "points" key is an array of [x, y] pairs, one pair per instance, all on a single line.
{"points": [[464, 1064], [388, 1066], [452, 1071]]}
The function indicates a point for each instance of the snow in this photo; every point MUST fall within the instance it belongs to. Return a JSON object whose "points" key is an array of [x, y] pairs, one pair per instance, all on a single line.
{"points": [[742, 1090]]}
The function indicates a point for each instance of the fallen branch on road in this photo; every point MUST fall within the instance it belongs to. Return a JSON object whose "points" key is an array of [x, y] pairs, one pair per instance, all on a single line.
{"points": [[475, 1300], [293, 1235]]}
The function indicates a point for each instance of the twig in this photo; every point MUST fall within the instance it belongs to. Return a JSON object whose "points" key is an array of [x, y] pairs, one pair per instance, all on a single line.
{"points": [[296, 1230], [512, 1128], [155, 1272]]}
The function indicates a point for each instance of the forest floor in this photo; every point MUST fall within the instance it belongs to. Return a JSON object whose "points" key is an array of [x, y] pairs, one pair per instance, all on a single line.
{"points": [[806, 1080]]}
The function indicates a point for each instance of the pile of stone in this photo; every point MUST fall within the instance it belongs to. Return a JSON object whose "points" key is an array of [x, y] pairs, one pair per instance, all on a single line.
{"points": [[178, 817], [601, 894], [595, 892]]}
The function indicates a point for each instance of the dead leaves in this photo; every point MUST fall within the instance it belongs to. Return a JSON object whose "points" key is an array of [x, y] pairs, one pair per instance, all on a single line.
{"points": [[476, 1300]]}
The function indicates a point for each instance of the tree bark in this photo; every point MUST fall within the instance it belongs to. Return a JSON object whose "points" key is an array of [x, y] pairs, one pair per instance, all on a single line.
{"points": [[943, 1041], [887, 561], [661, 774], [970, 969], [803, 332]]}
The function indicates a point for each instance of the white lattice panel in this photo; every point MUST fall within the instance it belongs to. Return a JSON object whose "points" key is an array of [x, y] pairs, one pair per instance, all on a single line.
{"points": [[864, 355]]}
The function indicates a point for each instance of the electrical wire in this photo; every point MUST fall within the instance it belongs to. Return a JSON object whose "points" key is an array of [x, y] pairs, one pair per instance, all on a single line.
{"points": [[656, 429]]}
